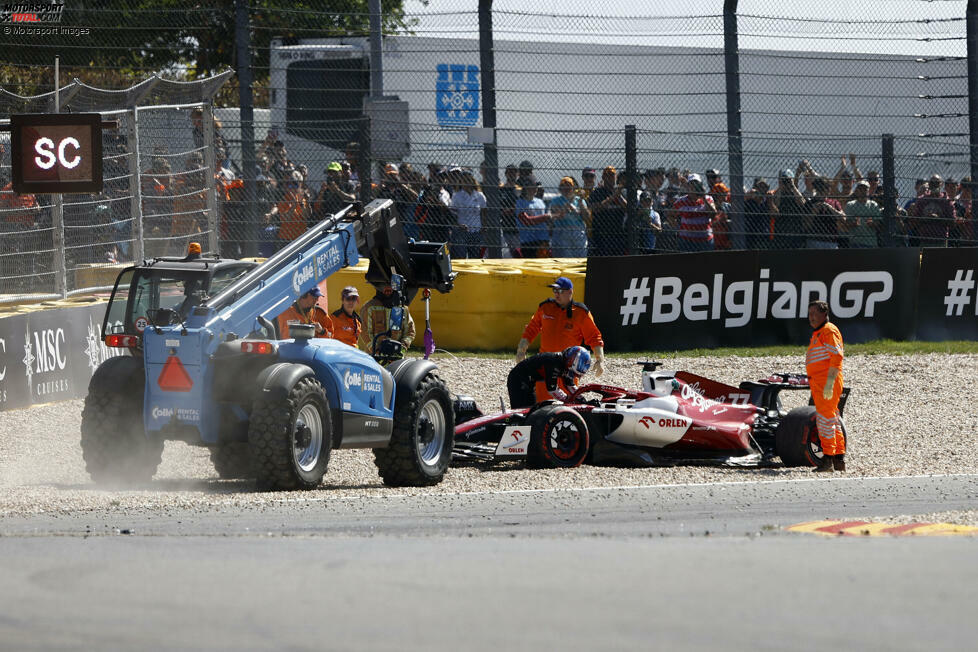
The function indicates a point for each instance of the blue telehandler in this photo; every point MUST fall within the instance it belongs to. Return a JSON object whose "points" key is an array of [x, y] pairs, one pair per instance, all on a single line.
{"points": [[202, 362]]}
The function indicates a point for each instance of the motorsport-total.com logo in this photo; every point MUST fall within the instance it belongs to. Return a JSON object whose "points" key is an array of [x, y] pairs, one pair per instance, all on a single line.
{"points": [[31, 12]]}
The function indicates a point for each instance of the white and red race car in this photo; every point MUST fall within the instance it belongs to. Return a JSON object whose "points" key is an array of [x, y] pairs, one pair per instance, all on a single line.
{"points": [[676, 418]]}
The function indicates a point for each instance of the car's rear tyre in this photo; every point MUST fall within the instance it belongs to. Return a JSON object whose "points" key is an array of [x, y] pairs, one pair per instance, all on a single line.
{"points": [[421, 444], [232, 460], [558, 438], [290, 438], [796, 440], [114, 443]]}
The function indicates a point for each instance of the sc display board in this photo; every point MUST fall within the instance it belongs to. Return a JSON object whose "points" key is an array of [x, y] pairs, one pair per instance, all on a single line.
{"points": [[56, 153]]}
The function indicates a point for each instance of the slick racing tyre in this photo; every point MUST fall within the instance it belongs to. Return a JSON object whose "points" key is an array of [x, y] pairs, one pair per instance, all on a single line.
{"points": [[114, 443], [558, 438], [421, 444], [796, 440], [232, 460], [290, 438]]}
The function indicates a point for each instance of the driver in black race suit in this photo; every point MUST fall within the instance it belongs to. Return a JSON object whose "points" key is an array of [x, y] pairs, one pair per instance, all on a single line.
{"points": [[568, 365]]}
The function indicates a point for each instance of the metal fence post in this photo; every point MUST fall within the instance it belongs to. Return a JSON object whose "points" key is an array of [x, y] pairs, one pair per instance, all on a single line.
{"points": [[58, 212], [248, 213], [58, 240], [136, 187], [889, 191], [364, 162], [735, 145], [971, 27], [487, 63], [210, 183], [631, 192], [376, 49]]}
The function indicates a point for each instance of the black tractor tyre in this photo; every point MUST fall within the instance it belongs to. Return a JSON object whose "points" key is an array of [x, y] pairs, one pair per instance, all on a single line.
{"points": [[796, 440], [114, 443], [559, 438], [290, 439], [232, 460], [421, 444]]}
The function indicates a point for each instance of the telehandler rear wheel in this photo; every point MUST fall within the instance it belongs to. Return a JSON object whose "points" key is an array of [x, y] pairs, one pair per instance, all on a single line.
{"points": [[113, 440], [232, 460]]}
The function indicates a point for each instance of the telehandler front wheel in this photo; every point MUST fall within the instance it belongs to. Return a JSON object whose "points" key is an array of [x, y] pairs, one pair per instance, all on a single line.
{"points": [[420, 448], [291, 438]]}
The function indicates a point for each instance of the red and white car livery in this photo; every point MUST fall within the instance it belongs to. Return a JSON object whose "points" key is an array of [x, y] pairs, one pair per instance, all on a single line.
{"points": [[677, 417]]}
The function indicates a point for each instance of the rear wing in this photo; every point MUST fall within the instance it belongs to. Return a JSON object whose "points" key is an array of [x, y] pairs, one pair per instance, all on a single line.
{"points": [[764, 392]]}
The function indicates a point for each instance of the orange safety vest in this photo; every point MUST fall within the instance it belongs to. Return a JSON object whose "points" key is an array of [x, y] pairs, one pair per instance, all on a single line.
{"points": [[346, 328], [825, 350], [28, 203], [291, 216], [560, 328], [190, 212], [315, 314]]}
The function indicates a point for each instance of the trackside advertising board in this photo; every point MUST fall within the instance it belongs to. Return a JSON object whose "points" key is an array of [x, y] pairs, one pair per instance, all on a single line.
{"points": [[948, 300], [50, 355], [745, 298]]}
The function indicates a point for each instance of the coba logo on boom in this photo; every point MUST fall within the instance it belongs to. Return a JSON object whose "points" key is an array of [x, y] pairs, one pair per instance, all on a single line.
{"points": [[302, 275]]}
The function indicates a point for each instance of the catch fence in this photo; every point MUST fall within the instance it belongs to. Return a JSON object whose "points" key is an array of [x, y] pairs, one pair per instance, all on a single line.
{"points": [[157, 192], [750, 89]]}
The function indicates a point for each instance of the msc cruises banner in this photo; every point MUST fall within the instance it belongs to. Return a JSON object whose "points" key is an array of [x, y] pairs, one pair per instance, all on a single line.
{"points": [[751, 298], [49, 355]]}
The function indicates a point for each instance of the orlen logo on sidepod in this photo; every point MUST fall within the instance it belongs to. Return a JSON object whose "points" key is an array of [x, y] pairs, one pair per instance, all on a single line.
{"points": [[514, 441], [302, 275]]}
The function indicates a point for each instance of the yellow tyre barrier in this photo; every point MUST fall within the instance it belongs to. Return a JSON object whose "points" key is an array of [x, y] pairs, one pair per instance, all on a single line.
{"points": [[491, 302]]}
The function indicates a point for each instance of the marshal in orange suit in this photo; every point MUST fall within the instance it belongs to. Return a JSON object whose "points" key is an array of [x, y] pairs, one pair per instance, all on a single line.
{"points": [[823, 364], [562, 322]]}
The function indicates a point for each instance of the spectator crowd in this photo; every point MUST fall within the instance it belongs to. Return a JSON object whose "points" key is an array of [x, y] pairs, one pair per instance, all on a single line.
{"points": [[676, 209]]}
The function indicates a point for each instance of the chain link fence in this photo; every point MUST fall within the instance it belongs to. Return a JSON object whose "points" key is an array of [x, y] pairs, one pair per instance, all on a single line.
{"points": [[815, 92], [158, 192]]}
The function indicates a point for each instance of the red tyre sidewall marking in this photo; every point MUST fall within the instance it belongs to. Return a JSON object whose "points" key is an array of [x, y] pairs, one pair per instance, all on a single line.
{"points": [[555, 453]]}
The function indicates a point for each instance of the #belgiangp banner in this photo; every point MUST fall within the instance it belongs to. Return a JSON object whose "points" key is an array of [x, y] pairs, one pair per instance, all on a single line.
{"points": [[948, 299], [751, 298]]}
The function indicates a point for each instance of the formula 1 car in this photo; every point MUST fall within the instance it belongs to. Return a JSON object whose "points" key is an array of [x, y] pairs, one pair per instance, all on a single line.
{"points": [[676, 418]]}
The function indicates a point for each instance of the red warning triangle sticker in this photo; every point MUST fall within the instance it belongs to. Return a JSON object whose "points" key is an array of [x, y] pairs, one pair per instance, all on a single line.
{"points": [[174, 378]]}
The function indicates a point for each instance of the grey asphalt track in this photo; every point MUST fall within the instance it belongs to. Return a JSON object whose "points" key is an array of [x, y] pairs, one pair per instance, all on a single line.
{"points": [[690, 567]]}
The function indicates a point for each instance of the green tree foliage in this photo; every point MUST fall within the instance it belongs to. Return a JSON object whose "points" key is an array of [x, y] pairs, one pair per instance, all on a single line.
{"points": [[115, 43]]}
